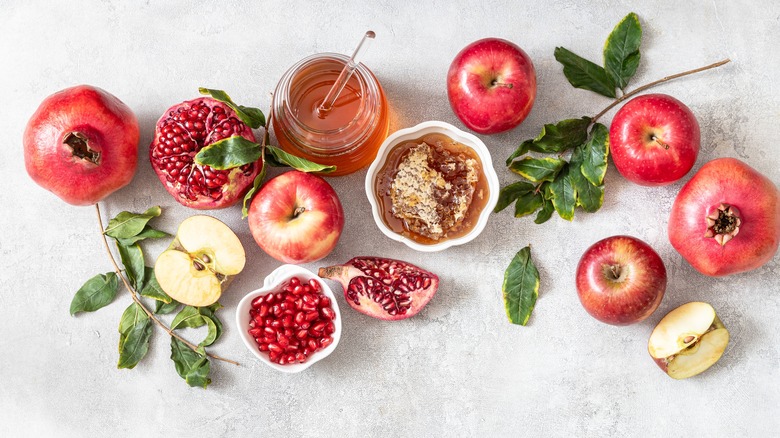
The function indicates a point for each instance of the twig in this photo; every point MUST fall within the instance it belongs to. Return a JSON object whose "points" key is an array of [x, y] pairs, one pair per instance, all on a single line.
{"points": [[138, 301], [654, 83]]}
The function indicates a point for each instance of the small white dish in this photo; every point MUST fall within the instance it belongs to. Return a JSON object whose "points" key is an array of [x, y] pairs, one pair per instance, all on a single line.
{"points": [[459, 136], [272, 284]]}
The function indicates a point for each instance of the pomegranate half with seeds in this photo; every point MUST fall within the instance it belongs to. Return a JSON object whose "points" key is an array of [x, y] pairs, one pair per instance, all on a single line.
{"points": [[181, 133], [384, 288], [81, 144]]}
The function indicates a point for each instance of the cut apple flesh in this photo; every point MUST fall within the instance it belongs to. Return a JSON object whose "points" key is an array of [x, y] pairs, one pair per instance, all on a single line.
{"points": [[700, 356], [209, 237], [200, 262], [688, 340], [680, 328], [185, 280]]}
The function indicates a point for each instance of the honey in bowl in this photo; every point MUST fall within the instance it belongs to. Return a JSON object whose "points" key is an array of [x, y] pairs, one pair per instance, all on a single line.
{"points": [[349, 134], [431, 189]]}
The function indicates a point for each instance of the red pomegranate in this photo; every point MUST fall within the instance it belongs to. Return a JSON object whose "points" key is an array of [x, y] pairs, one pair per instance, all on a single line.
{"points": [[726, 219], [181, 133], [384, 288], [81, 144]]}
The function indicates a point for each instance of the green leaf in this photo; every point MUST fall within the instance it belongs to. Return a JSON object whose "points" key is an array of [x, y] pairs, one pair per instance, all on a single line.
{"points": [[255, 187], [564, 196], [192, 366], [302, 164], [212, 333], [251, 116], [521, 287], [528, 203], [97, 292], [621, 51], [210, 312], [147, 233], [510, 193], [133, 260], [152, 288], [126, 224], [134, 345], [520, 151], [188, 317], [133, 315], [545, 213], [562, 136], [537, 169], [162, 308], [589, 196], [584, 74], [229, 153], [595, 153]]}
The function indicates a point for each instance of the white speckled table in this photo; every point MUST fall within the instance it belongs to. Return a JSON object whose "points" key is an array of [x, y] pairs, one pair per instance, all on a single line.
{"points": [[458, 368]]}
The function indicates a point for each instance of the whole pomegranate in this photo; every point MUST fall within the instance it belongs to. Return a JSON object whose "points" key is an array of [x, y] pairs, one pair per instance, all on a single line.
{"points": [[384, 288], [726, 219], [81, 144], [181, 133]]}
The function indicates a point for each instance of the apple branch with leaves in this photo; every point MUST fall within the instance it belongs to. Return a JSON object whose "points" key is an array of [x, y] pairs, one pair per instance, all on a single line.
{"points": [[553, 184]]}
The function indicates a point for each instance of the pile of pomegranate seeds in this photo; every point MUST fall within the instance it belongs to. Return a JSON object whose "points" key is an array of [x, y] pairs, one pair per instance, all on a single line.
{"points": [[292, 324]]}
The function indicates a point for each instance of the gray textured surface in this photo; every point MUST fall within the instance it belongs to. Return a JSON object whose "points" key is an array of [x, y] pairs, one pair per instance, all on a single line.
{"points": [[457, 369]]}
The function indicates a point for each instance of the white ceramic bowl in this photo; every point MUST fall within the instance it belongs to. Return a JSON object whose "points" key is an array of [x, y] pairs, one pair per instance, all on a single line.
{"points": [[456, 134], [272, 284]]}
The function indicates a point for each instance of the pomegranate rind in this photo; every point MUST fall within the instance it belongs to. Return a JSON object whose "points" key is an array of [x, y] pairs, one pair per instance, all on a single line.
{"points": [[238, 181], [112, 130], [350, 273]]}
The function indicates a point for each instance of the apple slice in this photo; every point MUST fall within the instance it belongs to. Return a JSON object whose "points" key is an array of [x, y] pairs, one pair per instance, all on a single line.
{"points": [[688, 340], [200, 262]]}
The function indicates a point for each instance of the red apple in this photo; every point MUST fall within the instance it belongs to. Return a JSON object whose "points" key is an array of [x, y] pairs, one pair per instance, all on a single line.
{"points": [[620, 280], [654, 140], [296, 217], [491, 85]]}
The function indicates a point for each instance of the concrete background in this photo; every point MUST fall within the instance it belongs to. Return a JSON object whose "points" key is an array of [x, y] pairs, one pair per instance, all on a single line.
{"points": [[457, 369]]}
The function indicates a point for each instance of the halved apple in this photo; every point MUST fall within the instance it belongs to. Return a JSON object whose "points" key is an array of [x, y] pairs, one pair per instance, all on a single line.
{"points": [[200, 262], [688, 340]]}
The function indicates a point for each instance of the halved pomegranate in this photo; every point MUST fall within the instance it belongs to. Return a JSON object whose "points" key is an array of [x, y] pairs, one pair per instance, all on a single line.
{"points": [[384, 288], [181, 133]]}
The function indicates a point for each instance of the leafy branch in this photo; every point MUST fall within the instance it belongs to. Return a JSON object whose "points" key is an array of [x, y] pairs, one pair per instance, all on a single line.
{"points": [[135, 326], [555, 184]]}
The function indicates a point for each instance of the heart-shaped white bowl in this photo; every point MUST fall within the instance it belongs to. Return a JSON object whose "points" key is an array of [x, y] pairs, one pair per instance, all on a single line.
{"points": [[273, 283], [416, 132]]}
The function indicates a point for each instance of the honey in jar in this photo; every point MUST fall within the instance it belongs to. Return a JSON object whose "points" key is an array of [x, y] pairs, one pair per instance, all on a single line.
{"points": [[350, 133]]}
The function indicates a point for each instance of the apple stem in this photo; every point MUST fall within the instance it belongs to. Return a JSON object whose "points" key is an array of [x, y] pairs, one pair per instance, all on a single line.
{"points": [[495, 83], [132, 291], [659, 141], [654, 83], [298, 211]]}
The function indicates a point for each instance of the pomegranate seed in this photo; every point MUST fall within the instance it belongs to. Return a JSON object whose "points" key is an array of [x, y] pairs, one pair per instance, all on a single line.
{"points": [[294, 281], [274, 357], [287, 321], [263, 310], [309, 299], [298, 290], [259, 320], [315, 285], [299, 318], [325, 341], [318, 326], [283, 341], [276, 323], [304, 325], [300, 357], [329, 313], [307, 289], [330, 328], [312, 343], [284, 306], [291, 358], [309, 307], [252, 323], [311, 316], [324, 301], [290, 299], [275, 348], [262, 347], [270, 331], [288, 332], [298, 303], [255, 332], [282, 360], [302, 334], [276, 309]]}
